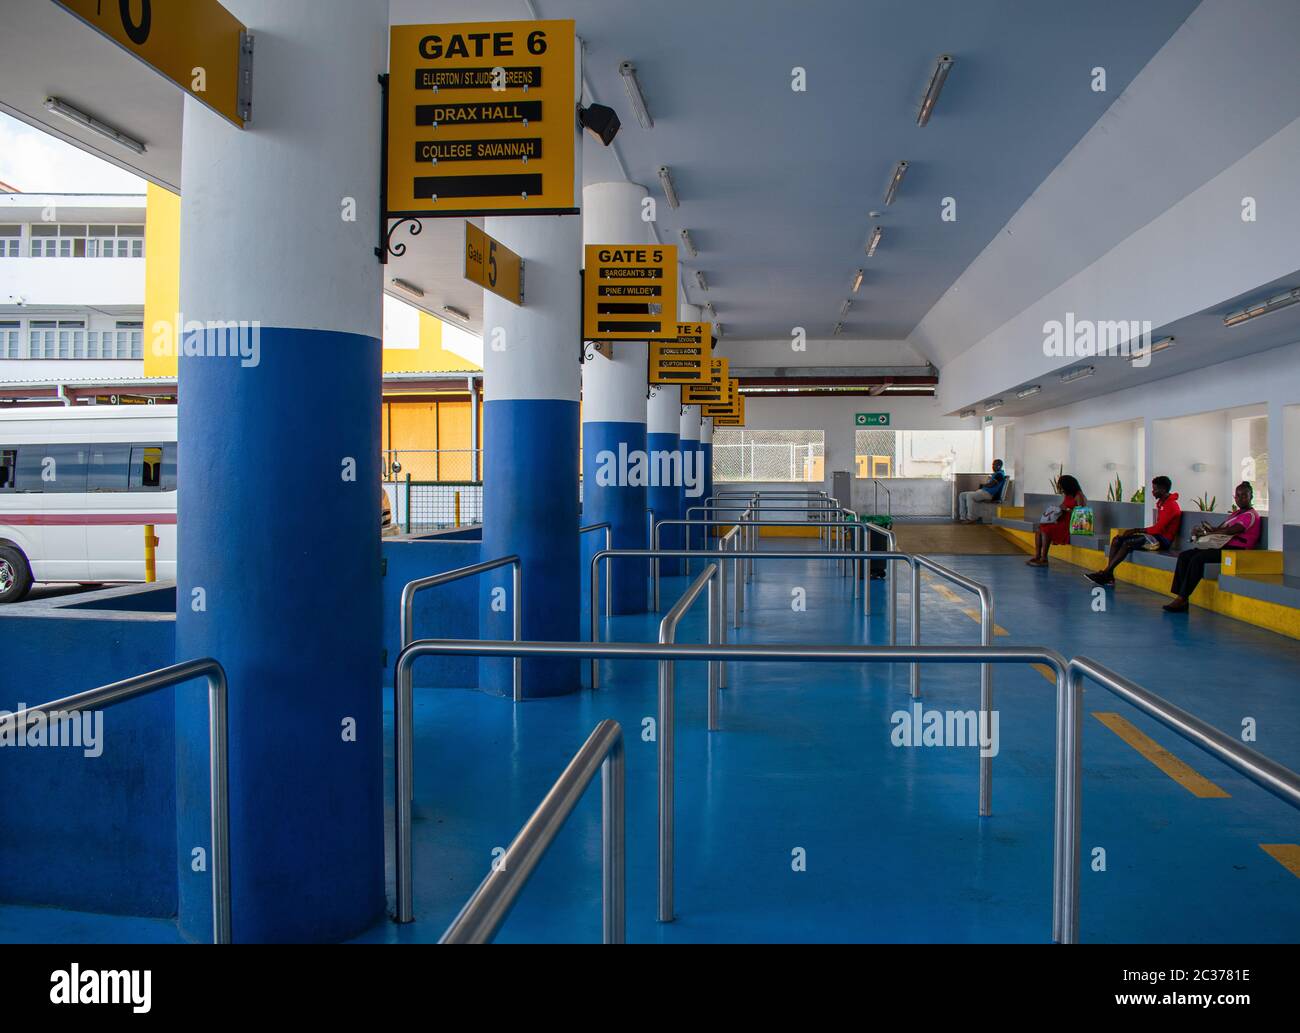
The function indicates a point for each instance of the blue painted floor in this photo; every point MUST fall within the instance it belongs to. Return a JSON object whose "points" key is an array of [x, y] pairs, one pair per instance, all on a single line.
{"points": [[804, 762]]}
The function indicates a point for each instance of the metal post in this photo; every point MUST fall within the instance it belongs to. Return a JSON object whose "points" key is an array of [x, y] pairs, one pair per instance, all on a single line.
{"points": [[609, 575], [654, 544], [404, 772], [916, 627], [891, 600], [517, 627], [986, 706], [665, 732], [719, 635], [715, 622], [150, 555], [595, 622], [613, 844], [1067, 823]]}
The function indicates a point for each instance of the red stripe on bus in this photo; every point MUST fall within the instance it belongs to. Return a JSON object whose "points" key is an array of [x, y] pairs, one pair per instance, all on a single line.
{"points": [[85, 519]]}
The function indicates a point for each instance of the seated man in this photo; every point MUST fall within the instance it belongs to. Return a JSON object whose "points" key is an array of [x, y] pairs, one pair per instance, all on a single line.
{"points": [[1156, 538], [989, 491]]}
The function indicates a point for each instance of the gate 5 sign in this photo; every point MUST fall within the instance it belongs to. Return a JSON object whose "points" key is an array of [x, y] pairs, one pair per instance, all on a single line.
{"points": [[492, 265], [629, 292], [711, 393], [684, 360], [481, 119], [197, 44]]}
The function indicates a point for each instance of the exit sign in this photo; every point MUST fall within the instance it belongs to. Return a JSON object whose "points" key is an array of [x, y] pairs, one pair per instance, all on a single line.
{"points": [[871, 419]]}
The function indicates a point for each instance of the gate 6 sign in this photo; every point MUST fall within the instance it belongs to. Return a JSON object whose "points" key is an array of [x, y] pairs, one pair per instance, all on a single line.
{"points": [[481, 119]]}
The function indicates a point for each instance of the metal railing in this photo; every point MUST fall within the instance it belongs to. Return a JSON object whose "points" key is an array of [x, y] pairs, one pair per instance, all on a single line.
{"points": [[484, 912], [666, 730], [608, 528], [889, 499], [218, 759], [1282, 782], [407, 605], [735, 653]]}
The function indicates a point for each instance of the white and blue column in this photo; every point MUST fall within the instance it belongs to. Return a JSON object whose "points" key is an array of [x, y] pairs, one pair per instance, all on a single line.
{"points": [[278, 520], [706, 452], [530, 448], [692, 458], [614, 410], [663, 437]]}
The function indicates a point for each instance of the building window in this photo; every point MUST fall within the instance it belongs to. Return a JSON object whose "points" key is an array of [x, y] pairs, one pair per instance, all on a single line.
{"points": [[916, 453], [56, 339], [11, 333], [11, 240], [77, 240], [784, 456]]}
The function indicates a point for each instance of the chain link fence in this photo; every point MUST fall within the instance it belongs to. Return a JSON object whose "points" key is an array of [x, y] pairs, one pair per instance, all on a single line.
{"points": [[433, 465], [434, 506], [795, 456]]}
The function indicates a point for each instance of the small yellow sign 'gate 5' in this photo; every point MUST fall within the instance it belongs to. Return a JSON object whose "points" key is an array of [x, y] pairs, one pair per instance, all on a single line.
{"points": [[481, 119], [197, 44], [684, 360], [629, 292], [492, 265]]}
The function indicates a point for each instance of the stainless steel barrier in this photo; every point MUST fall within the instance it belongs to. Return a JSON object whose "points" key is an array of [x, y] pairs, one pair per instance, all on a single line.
{"points": [[407, 611], [1282, 782], [987, 629], [484, 912], [665, 733], [889, 499], [608, 528], [735, 653], [218, 759]]}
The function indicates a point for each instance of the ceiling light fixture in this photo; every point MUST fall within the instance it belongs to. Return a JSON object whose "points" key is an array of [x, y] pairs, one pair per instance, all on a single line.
{"points": [[848, 304], [873, 242], [666, 181], [941, 69], [1278, 301], [689, 244], [717, 329], [1025, 392], [458, 313], [65, 110], [838, 328], [699, 278], [966, 412], [409, 288], [628, 71], [891, 191], [996, 403], [1078, 374], [1156, 346], [857, 281]]}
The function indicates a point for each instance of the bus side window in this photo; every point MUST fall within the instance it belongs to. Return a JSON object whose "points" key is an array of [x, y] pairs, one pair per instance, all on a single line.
{"points": [[169, 468], [8, 465], [146, 468], [109, 466]]}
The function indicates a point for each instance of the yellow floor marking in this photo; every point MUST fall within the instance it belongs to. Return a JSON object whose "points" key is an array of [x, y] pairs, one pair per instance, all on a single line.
{"points": [[1184, 775], [998, 629], [947, 593], [1046, 672], [1285, 854]]}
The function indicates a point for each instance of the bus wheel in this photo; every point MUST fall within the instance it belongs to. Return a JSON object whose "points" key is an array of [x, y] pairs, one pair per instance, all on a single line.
{"points": [[15, 575]]}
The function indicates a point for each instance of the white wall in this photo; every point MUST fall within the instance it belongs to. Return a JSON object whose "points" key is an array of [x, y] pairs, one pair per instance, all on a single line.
{"points": [[1103, 453], [1040, 462], [34, 282]]}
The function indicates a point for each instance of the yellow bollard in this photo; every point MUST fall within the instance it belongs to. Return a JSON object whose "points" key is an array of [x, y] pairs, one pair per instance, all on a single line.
{"points": [[150, 564], [457, 496]]}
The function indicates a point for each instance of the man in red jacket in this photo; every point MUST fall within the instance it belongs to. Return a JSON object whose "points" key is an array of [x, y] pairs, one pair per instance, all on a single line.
{"points": [[1158, 537]]}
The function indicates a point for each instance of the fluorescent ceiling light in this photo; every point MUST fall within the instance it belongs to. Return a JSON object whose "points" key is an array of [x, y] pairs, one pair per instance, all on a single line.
{"points": [[689, 244], [1033, 389], [713, 312], [666, 181], [844, 309], [1263, 308], [996, 403], [717, 329], [1078, 374], [452, 310], [873, 241], [409, 288], [1156, 346], [66, 110], [857, 281], [892, 190], [838, 328], [966, 412], [699, 278], [628, 71], [941, 69]]}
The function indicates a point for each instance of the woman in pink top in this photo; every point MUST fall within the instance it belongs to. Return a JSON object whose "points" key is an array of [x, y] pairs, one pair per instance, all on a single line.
{"points": [[1244, 526]]}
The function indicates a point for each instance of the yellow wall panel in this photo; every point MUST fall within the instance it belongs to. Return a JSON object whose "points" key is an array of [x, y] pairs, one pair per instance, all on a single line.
{"points": [[162, 280]]}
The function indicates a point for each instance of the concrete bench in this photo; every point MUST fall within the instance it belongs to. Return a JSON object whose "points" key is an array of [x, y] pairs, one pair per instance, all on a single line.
{"points": [[986, 512]]}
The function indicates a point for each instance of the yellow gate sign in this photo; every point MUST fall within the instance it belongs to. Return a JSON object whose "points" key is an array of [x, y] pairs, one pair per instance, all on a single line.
{"points": [[629, 292], [736, 418], [197, 44], [685, 359], [481, 119], [492, 265], [726, 404], [712, 392]]}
